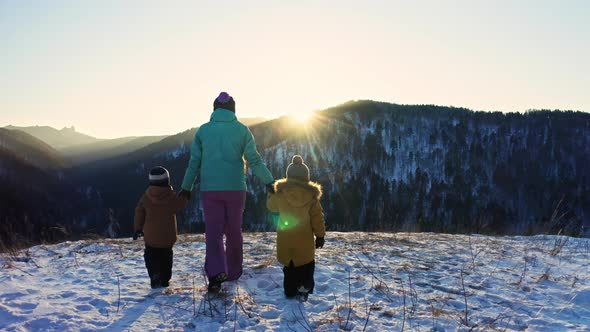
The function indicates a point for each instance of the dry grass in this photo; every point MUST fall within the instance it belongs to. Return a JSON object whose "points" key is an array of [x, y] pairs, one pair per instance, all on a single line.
{"points": [[558, 245], [11, 249], [266, 263], [437, 312], [14, 254], [544, 276], [184, 238]]}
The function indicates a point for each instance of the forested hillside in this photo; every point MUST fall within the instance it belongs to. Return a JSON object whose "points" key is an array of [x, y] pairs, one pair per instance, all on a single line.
{"points": [[391, 167], [41, 205], [430, 168], [31, 149]]}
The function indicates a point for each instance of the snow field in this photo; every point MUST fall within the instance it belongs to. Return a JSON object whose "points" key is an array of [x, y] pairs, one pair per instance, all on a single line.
{"points": [[364, 281]]}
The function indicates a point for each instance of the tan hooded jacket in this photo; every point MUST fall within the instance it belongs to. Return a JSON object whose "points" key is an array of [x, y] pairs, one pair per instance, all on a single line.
{"points": [[155, 215], [300, 218]]}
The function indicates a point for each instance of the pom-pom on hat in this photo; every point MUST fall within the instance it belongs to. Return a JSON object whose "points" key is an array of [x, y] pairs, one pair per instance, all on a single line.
{"points": [[159, 176], [225, 101], [297, 169]]}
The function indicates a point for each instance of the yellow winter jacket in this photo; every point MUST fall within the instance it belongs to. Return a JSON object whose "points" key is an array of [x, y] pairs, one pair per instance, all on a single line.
{"points": [[300, 217]]}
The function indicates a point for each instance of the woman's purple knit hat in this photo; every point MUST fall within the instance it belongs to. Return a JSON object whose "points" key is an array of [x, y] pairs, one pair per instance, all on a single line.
{"points": [[224, 100], [223, 97]]}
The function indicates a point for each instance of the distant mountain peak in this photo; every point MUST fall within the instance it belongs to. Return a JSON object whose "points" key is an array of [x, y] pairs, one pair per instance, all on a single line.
{"points": [[31, 149], [70, 128], [59, 139]]}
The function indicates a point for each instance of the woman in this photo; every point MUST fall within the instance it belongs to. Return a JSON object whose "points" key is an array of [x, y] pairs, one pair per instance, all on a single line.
{"points": [[217, 156]]}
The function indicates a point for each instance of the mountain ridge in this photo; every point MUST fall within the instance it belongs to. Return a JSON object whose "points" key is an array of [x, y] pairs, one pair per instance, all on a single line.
{"points": [[388, 167], [57, 138], [391, 167], [32, 149]]}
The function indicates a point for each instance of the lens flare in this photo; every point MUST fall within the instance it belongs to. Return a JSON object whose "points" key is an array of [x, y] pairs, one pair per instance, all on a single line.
{"points": [[286, 223]]}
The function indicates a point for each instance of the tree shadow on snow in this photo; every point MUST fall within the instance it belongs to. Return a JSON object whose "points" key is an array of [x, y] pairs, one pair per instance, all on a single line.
{"points": [[295, 317], [134, 313]]}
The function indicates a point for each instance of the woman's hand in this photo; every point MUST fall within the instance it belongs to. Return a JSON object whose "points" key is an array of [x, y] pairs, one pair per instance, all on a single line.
{"points": [[137, 235], [185, 194]]}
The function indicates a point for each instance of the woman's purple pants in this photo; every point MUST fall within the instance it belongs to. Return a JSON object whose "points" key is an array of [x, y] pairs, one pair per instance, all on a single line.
{"points": [[223, 212]]}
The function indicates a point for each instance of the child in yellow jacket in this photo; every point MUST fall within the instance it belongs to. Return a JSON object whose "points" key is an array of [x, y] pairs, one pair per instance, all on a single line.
{"points": [[297, 200]]}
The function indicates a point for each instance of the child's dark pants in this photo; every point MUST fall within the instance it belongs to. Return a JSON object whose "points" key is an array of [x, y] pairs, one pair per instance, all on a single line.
{"points": [[158, 262], [298, 276]]}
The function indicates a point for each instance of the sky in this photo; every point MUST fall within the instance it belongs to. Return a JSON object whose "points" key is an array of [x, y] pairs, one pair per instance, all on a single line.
{"points": [[131, 68]]}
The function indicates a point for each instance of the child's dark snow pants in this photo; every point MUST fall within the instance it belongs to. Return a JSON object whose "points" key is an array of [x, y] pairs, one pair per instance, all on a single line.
{"points": [[158, 262], [298, 276]]}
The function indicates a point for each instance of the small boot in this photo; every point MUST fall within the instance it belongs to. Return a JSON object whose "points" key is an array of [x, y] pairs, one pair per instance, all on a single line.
{"points": [[303, 293], [155, 281]]}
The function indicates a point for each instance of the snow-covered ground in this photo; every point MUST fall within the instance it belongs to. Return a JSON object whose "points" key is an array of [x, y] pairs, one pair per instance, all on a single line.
{"points": [[364, 281]]}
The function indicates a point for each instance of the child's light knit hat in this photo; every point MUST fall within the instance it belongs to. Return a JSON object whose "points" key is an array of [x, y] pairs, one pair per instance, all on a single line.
{"points": [[297, 169]]}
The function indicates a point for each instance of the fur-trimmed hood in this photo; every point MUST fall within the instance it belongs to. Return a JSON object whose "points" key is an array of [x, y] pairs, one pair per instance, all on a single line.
{"points": [[314, 187], [298, 193]]}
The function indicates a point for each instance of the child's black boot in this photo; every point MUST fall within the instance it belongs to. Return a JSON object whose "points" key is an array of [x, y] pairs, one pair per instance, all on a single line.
{"points": [[155, 281]]}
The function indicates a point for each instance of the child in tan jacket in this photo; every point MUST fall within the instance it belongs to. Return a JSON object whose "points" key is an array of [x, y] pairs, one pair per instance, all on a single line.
{"points": [[297, 200], [155, 217]]}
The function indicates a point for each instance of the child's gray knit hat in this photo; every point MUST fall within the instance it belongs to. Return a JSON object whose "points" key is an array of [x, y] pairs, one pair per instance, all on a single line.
{"points": [[297, 169]]}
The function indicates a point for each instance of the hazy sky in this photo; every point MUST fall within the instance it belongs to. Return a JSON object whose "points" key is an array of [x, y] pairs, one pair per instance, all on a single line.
{"points": [[121, 68]]}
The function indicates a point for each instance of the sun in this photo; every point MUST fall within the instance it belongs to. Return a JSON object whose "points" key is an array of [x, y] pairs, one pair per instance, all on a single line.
{"points": [[304, 117]]}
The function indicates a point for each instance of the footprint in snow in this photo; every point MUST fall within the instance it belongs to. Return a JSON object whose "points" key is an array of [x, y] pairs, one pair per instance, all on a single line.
{"points": [[272, 313], [265, 284], [83, 299], [39, 324], [103, 291], [78, 281], [12, 296], [321, 287], [32, 291], [25, 306], [337, 281], [321, 278], [99, 303], [84, 307]]}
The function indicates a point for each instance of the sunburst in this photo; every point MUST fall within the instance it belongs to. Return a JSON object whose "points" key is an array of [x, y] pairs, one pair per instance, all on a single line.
{"points": [[304, 117]]}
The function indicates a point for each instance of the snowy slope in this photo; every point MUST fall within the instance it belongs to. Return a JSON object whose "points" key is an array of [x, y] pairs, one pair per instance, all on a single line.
{"points": [[364, 281]]}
